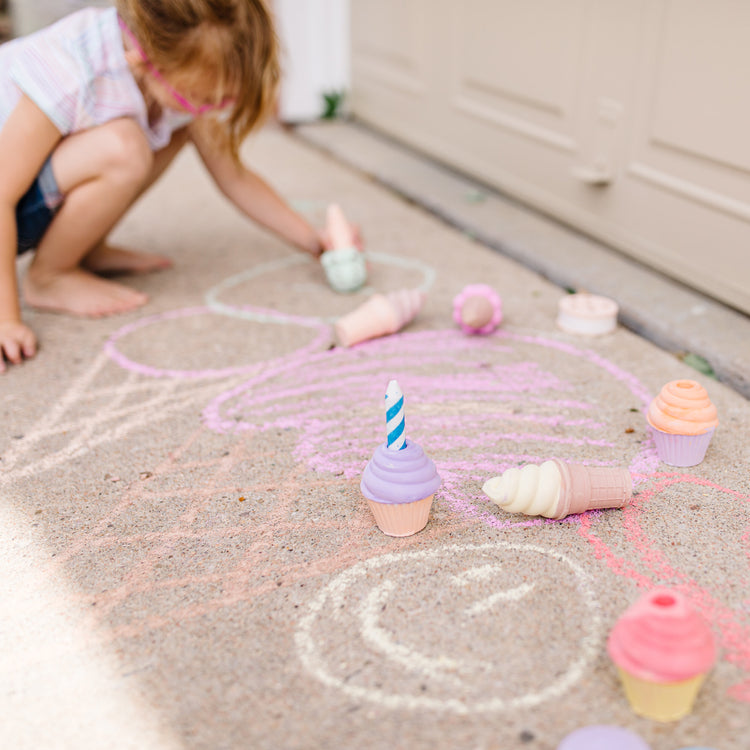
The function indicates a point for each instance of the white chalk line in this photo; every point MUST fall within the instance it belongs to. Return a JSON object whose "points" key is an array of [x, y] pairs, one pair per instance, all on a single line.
{"points": [[168, 397], [511, 595], [487, 573], [335, 592], [379, 638], [214, 303], [479, 573], [46, 423]]}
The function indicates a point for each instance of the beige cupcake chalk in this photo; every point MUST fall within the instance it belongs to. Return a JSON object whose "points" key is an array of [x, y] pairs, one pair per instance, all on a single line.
{"points": [[380, 315], [587, 314]]}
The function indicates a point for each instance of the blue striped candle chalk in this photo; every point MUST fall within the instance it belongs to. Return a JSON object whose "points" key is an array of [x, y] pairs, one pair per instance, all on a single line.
{"points": [[394, 416]]}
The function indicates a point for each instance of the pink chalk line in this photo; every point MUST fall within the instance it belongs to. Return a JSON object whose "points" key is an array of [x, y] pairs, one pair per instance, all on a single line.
{"points": [[335, 407], [110, 347]]}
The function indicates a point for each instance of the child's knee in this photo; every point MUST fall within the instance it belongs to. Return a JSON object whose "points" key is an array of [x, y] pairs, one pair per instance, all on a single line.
{"points": [[128, 151]]}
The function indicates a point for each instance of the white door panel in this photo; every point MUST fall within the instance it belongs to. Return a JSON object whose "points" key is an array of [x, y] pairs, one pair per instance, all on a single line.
{"points": [[627, 118], [389, 39]]}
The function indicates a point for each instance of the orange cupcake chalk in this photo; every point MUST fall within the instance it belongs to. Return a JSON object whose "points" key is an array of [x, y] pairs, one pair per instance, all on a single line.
{"points": [[683, 408]]}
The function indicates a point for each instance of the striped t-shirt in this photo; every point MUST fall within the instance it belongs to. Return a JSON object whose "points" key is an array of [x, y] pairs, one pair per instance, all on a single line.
{"points": [[75, 71]]}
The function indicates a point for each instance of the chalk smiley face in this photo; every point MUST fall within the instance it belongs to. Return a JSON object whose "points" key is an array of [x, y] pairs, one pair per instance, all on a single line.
{"points": [[451, 628]]}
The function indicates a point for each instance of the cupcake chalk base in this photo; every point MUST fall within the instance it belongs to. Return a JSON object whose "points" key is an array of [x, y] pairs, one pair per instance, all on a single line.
{"points": [[681, 450], [587, 314], [661, 701], [401, 519]]}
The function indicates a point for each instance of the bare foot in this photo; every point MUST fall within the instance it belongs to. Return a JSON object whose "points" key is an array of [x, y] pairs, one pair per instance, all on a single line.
{"points": [[108, 259], [79, 292]]}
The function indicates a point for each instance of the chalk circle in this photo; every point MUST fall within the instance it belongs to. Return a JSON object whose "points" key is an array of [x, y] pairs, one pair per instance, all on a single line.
{"points": [[320, 338], [345, 642], [213, 295], [506, 368]]}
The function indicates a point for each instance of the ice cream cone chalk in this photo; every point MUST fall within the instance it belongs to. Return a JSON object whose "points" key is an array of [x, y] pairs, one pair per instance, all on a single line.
{"points": [[380, 315], [344, 263], [556, 489]]}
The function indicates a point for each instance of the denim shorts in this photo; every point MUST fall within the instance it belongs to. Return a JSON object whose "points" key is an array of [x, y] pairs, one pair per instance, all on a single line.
{"points": [[37, 208]]}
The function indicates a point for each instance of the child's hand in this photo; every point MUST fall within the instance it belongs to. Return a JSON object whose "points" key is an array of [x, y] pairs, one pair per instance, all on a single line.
{"points": [[17, 341]]}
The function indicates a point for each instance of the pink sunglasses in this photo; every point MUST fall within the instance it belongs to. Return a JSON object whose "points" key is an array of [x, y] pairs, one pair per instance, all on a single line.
{"points": [[186, 104]]}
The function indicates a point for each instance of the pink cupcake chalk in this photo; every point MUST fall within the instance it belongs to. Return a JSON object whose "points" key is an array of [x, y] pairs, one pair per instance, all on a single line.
{"points": [[663, 650]]}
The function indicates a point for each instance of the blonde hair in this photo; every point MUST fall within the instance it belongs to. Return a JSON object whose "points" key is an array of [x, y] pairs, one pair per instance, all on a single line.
{"points": [[233, 41]]}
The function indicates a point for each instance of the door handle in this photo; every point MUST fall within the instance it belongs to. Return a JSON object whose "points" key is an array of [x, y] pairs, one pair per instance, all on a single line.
{"points": [[597, 176], [602, 145]]}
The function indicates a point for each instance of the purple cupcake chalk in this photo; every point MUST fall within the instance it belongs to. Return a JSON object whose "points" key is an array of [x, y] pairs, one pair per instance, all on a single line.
{"points": [[602, 737]]}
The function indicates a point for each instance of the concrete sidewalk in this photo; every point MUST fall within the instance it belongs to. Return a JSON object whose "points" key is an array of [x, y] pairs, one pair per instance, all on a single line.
{"points": [[186, 559]]}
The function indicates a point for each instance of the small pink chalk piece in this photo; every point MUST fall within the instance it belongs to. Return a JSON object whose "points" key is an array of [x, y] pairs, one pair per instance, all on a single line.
{"points": [[587, 314], [478, 309]]}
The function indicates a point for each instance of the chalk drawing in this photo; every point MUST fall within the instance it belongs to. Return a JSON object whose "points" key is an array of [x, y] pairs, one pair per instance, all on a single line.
{"points": [[492, 396], [189, 509], [320, 339], [95, 412], [511, 595], [498, 400], [396, 645], [213, 296]]}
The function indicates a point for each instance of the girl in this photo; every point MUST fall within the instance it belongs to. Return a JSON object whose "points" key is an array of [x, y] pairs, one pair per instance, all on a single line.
{"points": [[92, 111]]}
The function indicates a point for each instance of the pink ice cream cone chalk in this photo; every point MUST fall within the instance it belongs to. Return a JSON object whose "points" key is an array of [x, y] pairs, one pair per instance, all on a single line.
{"points": [[663, 650], [556, 489], [400, 480], [380, 315], [478, 309], [343, 264]]}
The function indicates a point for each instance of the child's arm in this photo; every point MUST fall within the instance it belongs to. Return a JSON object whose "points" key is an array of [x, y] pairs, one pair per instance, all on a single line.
{"points": [[26, 139], [256, 199]]}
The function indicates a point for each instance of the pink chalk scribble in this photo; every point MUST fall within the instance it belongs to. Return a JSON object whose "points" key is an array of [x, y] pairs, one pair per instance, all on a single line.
{"points": [[497, 399]]}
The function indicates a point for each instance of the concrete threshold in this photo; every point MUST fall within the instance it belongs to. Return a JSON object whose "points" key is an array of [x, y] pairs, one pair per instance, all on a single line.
{"points": [[674, 317]]}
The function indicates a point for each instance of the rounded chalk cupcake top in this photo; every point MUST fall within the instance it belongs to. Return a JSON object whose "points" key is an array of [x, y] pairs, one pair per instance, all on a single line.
{"points": [[601, 737], [662, 639], [399, 476], [478, 309], [683, 408]]}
